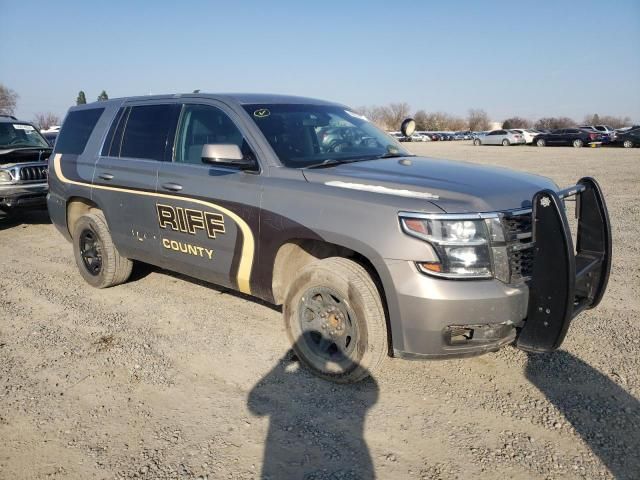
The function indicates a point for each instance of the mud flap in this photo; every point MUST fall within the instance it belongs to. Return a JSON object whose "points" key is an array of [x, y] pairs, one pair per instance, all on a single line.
{"points": [[565, 282]]}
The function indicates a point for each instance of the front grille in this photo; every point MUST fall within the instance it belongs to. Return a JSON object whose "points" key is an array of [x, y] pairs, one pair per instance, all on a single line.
{"points": [[518, 235], [33, 174]]}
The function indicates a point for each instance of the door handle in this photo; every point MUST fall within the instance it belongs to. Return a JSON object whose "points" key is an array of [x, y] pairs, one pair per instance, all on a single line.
{"points": [[106, 176], [174, 187]]}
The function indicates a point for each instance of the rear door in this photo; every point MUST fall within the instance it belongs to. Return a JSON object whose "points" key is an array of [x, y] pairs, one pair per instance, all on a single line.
{"points": [[208, 214], [126, 175], [556, 137]]}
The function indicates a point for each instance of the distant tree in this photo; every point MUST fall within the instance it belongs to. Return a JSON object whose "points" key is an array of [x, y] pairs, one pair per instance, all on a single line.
{"points": [[8, 100], [614, 122], [394, 113], [103, 96], [478, 120], [82, 99], [375, 115], [45, 120], [552, 123], [516, 122], [457, 124], [592, 119], [421, 117]]}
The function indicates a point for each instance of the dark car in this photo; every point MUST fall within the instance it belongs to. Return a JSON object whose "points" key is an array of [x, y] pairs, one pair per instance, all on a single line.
{"points": [[50, 137], [628, 138], [577, 137]]}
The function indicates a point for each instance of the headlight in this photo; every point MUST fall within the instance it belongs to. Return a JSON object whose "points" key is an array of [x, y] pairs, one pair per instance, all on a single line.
{"points": [[5, 176], [463, 245]]}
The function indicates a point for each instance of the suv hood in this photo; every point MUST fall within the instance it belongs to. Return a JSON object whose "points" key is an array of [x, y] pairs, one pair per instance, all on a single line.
{"points": [[453, 186], [11, 156]]}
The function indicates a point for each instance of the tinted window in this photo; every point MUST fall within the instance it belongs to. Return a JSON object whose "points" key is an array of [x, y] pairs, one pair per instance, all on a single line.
{"points": [[76, 130], [111, 147], [147, 131], [201, 125], [573, 130]]}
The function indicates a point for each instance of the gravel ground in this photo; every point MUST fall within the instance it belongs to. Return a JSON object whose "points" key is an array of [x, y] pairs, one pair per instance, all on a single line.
{"points": [[166, 377]]}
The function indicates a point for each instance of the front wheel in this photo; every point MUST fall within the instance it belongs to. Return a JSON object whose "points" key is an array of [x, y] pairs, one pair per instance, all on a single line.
{"points": [[335, 320], [97, 258], [540, 142], [505, 143], [477, 142], [577, 143], [628, 144]]}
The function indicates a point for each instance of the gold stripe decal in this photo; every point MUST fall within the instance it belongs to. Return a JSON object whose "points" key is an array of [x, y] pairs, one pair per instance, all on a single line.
{"points": [[248, 243]]}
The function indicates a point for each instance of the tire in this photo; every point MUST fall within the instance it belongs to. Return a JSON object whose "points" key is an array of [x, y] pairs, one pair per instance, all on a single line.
{"points": [[627, 144], [506, 143], [477, 142], [541, 143], [106, 268], [577, 143], [336, 293]]}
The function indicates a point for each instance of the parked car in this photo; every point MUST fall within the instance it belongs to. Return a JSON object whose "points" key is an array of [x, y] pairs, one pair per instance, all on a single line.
{"points": [[399, 137], [23, 165], [373, 252], [578, 137], [50, 137], [500, 137], [528, 133], [629, 138], [608, 133], [418, 137]]}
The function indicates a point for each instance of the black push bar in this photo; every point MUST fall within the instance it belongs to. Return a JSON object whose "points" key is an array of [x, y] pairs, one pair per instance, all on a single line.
{"points": [[565, 282]]}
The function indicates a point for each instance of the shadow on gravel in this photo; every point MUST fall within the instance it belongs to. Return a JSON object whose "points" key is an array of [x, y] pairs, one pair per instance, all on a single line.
{"points": [[315, 426], [605, 415], [25, 217]]}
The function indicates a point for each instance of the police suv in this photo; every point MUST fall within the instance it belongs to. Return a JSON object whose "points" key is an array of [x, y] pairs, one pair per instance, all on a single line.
{"points": [[372, 251]]}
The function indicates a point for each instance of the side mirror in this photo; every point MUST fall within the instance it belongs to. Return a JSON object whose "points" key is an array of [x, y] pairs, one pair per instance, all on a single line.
{"points": [[224, 153], [408, 127]]}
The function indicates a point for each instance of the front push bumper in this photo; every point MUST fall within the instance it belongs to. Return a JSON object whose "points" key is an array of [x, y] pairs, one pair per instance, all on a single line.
{"points": [[441, 318], [23, 195]]}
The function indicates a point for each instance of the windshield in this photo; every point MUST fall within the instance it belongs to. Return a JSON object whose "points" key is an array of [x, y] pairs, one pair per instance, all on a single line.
{"points": [[16, 135], [306, 135]]}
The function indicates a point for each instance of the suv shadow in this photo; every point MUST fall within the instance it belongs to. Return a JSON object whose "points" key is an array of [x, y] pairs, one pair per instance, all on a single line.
{"points": [[24, 217]]}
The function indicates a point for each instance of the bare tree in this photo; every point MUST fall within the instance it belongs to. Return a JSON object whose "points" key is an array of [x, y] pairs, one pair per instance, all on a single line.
{"points": [[394, 113], [45, 120], [516, 122], [553, 123], [478, 120], [609, 120], [374, 114], [8, 100]]}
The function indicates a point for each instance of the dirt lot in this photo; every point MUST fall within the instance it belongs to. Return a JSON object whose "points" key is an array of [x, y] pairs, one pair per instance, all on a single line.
{"points": [[165, 377]]}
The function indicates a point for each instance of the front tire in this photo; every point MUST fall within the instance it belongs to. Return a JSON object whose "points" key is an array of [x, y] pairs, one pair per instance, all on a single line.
{"points": [[97, 258], [506, 143], [577, 143], [335, 320], [541, 143], [477, 142], [627, 144]]}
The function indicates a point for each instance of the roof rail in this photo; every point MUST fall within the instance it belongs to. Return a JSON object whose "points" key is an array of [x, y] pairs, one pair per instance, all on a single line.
{"points": [[8, 116]]}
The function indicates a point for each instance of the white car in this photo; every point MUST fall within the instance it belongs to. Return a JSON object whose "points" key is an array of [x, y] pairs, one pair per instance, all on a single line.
{"points": [[527, 133], [418, 137], [500, 137], [603, 129]]}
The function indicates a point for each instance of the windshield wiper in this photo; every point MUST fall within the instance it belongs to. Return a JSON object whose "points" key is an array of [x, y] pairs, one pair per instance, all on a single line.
{"points": [[394, 155], [332, 162]]}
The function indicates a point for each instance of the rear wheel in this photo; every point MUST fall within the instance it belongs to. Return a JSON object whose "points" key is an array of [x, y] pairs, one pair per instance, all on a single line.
{"points": [[476, 142], [335, 320], [577, 143], [506, 143], [97, 258], [628, 144], [541, 143]]}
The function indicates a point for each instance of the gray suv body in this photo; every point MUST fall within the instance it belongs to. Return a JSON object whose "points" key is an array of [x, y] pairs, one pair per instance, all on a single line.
{"points": [[372, 251]]}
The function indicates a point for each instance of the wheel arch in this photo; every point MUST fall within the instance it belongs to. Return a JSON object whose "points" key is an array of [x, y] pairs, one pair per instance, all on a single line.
{"points": [[75, 208]]}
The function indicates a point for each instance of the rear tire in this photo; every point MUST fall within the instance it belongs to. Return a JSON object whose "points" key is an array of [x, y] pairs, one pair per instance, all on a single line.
{"points": [[541, 143], [506, 143], [477, 142], [97, 258], [627, 144], [577, 143], [335, 320]]}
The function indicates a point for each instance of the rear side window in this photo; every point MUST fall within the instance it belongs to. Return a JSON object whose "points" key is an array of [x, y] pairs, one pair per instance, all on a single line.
{"points": [[148, 132], [76, 130]]}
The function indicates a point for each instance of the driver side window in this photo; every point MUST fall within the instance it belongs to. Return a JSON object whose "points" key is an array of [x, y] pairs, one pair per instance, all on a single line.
{"points": [[201, 125]]}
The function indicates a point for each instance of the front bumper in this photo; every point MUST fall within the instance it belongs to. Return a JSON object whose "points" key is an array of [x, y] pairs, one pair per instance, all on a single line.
{"points": [[443, 318], [23, 195]]}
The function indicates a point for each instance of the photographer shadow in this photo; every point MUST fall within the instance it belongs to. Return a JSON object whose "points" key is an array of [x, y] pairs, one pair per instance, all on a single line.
{"points": [[316, 428], [604, 414]]}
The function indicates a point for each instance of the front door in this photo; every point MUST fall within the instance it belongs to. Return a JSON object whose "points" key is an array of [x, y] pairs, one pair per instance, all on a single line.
{"points": [[208, 214]]}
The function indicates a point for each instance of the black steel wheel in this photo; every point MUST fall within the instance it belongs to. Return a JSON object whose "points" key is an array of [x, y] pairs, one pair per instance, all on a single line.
{"points": [[91, 251]]}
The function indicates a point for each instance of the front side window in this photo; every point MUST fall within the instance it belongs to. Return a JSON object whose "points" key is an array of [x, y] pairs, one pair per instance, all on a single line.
{"points": [[310, 135], [147, 131], [20, 135], [201, 125]]}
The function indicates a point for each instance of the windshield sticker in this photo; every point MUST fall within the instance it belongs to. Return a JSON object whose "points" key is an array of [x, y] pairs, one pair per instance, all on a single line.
{"points": [[21, 126], [384, 190], [261, 113], [356, 115]]}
